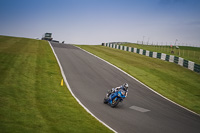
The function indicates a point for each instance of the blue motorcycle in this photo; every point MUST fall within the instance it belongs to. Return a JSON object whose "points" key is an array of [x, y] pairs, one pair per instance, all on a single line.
{"points": [[113, 99]]}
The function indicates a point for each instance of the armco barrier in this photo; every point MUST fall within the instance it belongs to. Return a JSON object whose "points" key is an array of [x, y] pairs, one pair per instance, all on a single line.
{"points": [[159, 55], [150, 54], [167, 58], [171, 58], [154, 54], [191, 65], [147, 53], [144, 52], [185, 63], [197, 68], [135, 50], [180, 61], [163, 56], [176, 59]]}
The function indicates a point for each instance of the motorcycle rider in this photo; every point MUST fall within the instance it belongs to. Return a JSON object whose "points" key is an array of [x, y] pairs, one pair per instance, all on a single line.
{"points": [[123, 87]]}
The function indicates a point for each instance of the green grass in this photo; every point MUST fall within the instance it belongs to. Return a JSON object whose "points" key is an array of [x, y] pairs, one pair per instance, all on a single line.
{"points": [[171, 80], [31, 98], [188, 53]]}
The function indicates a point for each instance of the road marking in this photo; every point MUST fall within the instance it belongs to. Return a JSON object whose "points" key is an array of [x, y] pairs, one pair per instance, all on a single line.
{"points": [[140, 82], [143, 110]]}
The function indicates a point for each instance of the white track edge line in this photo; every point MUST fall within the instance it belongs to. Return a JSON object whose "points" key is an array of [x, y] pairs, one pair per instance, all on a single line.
{"points": [[141, 83], [68, 86]]}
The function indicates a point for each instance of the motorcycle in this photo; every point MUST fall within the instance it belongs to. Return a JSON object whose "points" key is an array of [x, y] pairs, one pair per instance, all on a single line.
{"points": [[113, 99]]}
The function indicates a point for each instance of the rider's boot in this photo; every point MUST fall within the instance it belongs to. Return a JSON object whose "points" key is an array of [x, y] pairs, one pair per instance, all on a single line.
{"points": [[108, 93]]}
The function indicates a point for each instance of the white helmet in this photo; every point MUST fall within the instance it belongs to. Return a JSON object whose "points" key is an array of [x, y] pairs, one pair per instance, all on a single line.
{"points": [[125, 86]]}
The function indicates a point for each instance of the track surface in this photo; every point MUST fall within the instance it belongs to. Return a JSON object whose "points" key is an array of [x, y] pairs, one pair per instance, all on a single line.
{"points": [[90, 78]]}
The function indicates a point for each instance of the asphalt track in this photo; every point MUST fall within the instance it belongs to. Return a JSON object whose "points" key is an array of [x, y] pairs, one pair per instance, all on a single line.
{"points": [[143, 111]]}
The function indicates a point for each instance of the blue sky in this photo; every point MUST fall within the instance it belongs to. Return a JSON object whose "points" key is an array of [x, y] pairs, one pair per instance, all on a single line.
{"points": [[97, 21]]}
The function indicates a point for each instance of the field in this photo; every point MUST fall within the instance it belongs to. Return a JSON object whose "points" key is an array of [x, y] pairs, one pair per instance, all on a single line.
{"points": [[189, 53], [171, 80], [31, 98]]}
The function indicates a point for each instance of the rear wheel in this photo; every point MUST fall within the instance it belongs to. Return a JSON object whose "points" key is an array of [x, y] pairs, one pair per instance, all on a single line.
{"points": [[115, 102], [105, 100]]}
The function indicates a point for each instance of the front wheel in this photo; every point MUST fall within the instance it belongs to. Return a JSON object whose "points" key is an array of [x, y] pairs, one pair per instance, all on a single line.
{"points": [[115, 102]]}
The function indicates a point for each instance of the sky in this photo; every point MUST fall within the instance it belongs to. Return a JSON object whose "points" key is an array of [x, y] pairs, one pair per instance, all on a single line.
{"points": [[97, 21]]}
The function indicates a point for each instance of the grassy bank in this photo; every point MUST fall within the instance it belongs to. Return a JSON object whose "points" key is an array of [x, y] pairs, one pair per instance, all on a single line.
{"points": [[31, 98], [171, 80], [188, 53]]}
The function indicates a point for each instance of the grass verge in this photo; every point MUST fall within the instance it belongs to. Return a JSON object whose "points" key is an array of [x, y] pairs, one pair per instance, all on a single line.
{"points": [[188, 53], [171, 80], [31, 98]]}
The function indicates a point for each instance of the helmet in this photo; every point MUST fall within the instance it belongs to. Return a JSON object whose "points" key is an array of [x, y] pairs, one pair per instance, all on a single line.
{"points": [[125, 86]]}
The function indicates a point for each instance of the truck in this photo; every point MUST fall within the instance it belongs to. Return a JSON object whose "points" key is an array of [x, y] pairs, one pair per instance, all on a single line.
{"points": [[47, 36]]}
